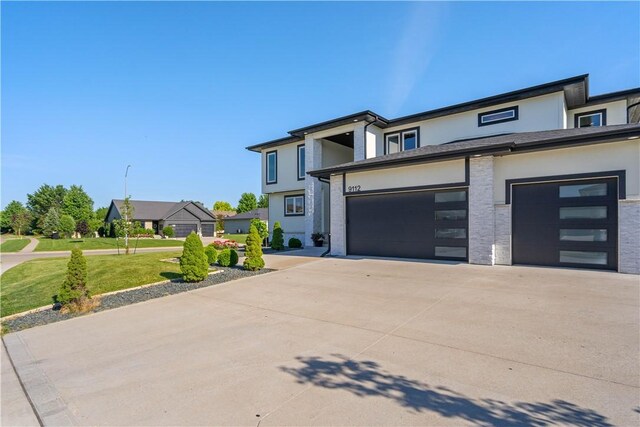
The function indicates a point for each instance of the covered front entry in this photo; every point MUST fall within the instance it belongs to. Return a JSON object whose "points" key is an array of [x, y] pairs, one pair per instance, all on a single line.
{"points": [[418, 224], [568, 223]]}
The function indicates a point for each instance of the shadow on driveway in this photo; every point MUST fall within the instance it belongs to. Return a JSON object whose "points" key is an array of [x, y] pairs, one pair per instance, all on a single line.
{"points": [[368, 379]]}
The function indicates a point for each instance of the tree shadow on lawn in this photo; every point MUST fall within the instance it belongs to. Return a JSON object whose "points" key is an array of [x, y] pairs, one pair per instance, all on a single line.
{"points": [[368, 379]]}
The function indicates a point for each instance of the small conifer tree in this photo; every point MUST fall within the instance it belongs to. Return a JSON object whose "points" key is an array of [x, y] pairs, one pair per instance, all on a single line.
{"points": [[253, 256], [193, 262], [73, 291], [277, 242]]}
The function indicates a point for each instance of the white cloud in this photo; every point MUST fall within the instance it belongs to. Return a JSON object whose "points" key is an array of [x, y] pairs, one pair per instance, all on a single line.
{"points": [[414, 51]]}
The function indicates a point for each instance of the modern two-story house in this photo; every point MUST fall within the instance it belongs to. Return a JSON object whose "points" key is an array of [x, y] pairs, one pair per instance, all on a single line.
{"points": [[546, 175]]}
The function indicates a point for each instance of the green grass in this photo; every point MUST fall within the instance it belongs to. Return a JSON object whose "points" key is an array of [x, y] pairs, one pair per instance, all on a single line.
{"points": [[102, 243], [13, 245], [34, 283], [240, 238]]}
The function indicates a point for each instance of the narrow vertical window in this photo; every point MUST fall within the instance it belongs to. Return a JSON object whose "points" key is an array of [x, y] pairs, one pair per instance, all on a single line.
{"points": [[409, 140], [301, 165], [393, 143], [272, 167]]}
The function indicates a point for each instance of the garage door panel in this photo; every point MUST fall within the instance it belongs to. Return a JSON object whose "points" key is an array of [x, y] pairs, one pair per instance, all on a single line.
{"points": [[570, 223], [404, 225], [183, 230]]}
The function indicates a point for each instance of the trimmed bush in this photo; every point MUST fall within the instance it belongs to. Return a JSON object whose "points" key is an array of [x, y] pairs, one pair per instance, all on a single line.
{"points": [[168, 231], [224, 257], [193, 262], [277, 242], [295, 243], [211, 253], [74, 292], [228, 244], [233, 258], [253, 256]]}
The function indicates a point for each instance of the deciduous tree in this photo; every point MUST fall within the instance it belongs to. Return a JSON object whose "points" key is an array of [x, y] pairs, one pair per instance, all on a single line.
{"points": [[247, 203], [78, 204], [67, 226], [44, 198], [222, 206], [263, 201]]}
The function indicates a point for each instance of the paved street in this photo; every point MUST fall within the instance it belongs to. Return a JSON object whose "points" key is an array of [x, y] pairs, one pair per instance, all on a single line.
{"points": [[350, 342]]}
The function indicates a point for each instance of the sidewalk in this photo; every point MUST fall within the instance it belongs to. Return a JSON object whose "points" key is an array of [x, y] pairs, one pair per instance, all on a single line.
{"points": [[31, 246], [15, 407]]}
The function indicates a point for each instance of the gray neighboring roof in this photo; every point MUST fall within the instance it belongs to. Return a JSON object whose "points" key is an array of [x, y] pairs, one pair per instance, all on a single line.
{"points": [[525, 141], [260, 213], [155, 210]]}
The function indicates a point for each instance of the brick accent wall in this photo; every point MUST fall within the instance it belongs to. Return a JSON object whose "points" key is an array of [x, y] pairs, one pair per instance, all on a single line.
{"points": [[481, 211], [338, 220], [502, 249], [629, 236]]}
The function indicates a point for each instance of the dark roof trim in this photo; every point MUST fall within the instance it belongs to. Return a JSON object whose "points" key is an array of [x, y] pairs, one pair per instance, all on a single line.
{"points": [[501, 148], [530, 92], [609, 97], [274, 143], [368, 116]]}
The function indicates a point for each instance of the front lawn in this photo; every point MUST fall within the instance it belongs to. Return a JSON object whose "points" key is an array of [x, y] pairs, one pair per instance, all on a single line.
{"points": [[34, 283], [102, 243], [240, 238], [13, 245]]}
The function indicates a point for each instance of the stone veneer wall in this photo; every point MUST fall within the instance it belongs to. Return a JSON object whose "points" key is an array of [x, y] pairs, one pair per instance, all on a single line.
{"points": [[502, 249]]}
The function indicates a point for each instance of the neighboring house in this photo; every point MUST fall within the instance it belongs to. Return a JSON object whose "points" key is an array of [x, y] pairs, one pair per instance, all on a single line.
{"points": [[547, 175], [184, 217], [240, 223]]}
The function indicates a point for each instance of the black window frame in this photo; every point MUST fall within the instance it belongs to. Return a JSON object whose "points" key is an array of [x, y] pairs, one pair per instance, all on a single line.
{"points": [[300, 178], [266, 157], [292, 196], [400, 134], [602, 112], [516, 116]]}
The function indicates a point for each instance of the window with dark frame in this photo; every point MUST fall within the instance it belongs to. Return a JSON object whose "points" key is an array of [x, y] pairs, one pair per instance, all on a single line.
{"points": [[591, 119], [294, 205], [272, 167], [498, 116], [403, 140], [301, 164]]}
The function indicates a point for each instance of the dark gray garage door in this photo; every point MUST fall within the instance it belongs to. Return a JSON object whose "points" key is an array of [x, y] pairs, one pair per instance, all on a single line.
{"points": [[570, 223], [425, 224], [208, 230], [183, 230]]}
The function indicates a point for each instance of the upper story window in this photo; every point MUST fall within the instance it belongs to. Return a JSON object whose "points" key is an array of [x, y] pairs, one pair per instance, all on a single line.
{"points": [[402, 140], [498, 116], [591, 119], [272, 167], [301, 165]]}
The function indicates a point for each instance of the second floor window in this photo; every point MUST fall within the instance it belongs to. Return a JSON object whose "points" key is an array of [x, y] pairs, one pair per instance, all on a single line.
{"points": [[301, 166], [591, 119], [401, 141], [498, 116], [272, 167]]}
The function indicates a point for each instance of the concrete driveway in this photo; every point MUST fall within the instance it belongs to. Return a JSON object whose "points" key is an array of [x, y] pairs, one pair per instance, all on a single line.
{"points": [[351, 342]]}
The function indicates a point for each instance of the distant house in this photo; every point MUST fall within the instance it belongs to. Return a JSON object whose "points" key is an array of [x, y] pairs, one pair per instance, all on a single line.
{"points": [[240, 223], [184, 217]]}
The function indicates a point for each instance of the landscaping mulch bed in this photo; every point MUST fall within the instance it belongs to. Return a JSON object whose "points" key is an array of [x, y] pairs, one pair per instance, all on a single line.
{"points": [[127, 297]]}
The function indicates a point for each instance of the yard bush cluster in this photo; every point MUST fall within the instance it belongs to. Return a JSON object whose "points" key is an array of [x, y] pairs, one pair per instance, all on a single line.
{"points": [[228, 258], [193, 262], [143, 232], [227, 244], [295, 243]]}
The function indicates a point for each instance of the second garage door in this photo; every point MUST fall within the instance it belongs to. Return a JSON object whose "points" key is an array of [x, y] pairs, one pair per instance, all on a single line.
{"points": [[424, 224], [570, 223]]}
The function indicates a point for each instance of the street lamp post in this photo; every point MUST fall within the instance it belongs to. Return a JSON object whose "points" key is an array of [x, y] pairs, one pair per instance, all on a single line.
{"points": [[126, 214]]}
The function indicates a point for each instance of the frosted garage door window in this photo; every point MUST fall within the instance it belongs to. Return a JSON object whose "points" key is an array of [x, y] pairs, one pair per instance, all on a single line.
{"points": [[584, 212], [583, 257]]}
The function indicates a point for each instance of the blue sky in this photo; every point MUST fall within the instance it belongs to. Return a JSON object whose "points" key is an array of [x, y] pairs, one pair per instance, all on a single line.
{"points": [[178, 90]]}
